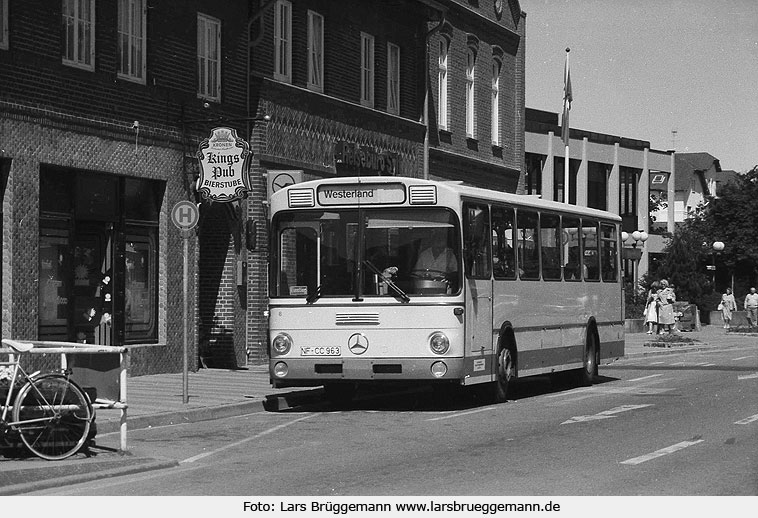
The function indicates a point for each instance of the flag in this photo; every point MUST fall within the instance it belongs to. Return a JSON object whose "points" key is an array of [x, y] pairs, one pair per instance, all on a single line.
{"points": [[567, 98]]}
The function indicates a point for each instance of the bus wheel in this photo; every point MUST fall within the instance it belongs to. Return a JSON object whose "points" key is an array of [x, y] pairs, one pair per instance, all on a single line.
{"points": [[589, 365], [505, 373], [340, 394]]}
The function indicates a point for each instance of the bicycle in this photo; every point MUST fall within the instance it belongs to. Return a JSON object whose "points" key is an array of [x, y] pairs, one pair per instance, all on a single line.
{"points": [[50, 413]]}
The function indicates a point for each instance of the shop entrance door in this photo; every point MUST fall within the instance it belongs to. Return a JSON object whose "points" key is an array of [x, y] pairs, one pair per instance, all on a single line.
{"points": [[93, 283]]}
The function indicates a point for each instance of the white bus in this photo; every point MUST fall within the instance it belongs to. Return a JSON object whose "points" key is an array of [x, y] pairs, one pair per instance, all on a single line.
{"points": [[380, 279]]}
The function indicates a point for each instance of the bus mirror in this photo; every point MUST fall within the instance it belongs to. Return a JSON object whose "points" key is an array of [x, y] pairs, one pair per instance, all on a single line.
{"points": [[251, 227]]}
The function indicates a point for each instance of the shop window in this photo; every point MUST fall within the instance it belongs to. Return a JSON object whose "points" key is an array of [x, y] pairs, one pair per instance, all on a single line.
{"points": [[98, 257]]}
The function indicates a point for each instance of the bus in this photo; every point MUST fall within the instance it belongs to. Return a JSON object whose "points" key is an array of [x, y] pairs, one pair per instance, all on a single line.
{"points": [[386, 279]]}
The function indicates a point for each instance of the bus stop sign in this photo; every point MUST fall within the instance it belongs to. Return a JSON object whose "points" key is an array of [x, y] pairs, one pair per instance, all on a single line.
{"points": [[185, 215]]}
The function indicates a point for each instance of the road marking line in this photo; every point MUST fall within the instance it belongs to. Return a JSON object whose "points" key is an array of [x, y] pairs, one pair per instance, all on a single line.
{"points": [[459, 414], [571, 392], [748, 420], [743, 358], [657, 363], [606, 414], [645, 377], [748, 376], [704, 364], [661, 452], [243, 441], [677, 363]]}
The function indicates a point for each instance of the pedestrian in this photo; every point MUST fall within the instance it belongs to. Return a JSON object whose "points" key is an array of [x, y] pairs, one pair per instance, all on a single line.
{"points": [[751, 307], [666, 298], [727, 305], [651, 308]]}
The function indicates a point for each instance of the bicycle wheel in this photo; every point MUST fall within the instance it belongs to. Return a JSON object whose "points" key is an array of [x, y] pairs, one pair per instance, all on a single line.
{"points": [[53, 416]]}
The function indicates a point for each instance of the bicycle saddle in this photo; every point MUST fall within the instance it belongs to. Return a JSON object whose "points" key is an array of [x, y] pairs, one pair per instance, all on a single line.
{"points": [[19, 347]]}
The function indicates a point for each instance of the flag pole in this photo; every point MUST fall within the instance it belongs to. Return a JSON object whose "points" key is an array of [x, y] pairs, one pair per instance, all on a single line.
{"points": [[566, 107]]}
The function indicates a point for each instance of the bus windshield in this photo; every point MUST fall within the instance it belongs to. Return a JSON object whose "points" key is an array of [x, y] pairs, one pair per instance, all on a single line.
{"points": [[361, 252]]}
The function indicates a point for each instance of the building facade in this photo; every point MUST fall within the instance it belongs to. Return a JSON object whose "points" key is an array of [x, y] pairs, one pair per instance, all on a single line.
{"points": [[357, 89], [101, 107]]}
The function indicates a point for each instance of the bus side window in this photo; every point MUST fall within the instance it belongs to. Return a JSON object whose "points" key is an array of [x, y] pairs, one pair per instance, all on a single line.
{"points": [[589, 245], [550, 246], [528, 245], [477, 238], [503, 254], [572, 252], [608, 253]]}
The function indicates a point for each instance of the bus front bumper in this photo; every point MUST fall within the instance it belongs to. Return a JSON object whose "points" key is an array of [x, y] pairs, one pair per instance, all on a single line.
{"points": [[309, 372]]}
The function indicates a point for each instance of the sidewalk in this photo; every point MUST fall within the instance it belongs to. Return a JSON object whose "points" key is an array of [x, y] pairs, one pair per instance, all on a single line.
{"points": [[213, 393]]}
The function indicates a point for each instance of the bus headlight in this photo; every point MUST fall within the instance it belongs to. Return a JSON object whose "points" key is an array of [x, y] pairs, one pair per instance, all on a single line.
{"points": [[439, 343], [282, 343], [439, 369], [281, 369]]}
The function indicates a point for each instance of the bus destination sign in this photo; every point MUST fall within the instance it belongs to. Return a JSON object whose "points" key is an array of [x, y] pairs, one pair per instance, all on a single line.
{"points": [[362, 194], [224, 160]]}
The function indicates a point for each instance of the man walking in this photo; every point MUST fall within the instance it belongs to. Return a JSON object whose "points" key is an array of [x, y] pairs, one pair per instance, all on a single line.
{"points": [[751, 307]]}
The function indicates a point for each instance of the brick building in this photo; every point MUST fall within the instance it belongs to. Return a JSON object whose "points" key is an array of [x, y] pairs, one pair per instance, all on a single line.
{"points": [[99, 110], [100, 123], [353, 88]]}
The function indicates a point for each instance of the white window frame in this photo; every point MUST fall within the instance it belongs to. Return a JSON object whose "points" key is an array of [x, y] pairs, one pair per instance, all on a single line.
{"points": [[78, 34], [442, 113], [4, 24], [367, 70], [315, 52], [208, 57], [283, 41], [496, 69], [132, 38], [393, 79], [470, 94]]}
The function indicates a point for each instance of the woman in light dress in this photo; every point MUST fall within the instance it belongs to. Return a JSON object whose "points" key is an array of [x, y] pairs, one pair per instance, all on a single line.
{"points": [[651, 308], [728, 304], [666, 298]]}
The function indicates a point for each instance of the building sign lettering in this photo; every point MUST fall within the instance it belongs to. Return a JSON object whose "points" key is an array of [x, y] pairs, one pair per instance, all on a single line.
{"points": [[351, 156], [224, 161]]}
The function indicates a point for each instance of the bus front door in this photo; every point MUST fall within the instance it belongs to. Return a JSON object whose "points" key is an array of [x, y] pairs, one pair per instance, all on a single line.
{"points": [[478, 268]]}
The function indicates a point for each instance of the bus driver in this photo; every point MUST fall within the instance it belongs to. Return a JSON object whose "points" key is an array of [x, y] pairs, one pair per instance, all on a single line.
{"points": [[437, 259]]}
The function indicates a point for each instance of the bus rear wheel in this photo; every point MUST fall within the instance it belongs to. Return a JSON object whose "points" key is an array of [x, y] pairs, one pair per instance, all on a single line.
{"points": [[506, 371], [589, 364]]}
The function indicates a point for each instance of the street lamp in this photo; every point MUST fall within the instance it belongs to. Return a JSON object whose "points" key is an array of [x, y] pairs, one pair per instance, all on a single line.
{"points": [[718, 247], [635, 239]]}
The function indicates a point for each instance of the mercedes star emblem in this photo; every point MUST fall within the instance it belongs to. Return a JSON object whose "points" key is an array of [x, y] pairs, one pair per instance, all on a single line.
{"points": [[357, 343]]}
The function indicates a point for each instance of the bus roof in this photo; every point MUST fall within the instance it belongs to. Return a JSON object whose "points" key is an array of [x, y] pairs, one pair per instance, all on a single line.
{"points": [[460, 190]]}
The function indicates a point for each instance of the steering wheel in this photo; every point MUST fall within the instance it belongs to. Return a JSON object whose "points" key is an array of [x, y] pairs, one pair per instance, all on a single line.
{"points": [[429, 274]]}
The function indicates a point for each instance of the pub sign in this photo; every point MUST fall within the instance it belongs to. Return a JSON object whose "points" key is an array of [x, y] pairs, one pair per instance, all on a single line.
{"points": [[224, 162]]}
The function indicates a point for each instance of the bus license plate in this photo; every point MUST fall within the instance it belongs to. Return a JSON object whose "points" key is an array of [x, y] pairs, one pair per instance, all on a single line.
{"points": [[320, 351]]}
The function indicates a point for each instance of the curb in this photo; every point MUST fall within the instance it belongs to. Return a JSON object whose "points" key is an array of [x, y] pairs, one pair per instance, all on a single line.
{"points": [[274, 403], [142, 465]]}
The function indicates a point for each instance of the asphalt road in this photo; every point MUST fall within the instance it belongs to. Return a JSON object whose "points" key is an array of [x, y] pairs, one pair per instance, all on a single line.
{"points": [[682, 424]]}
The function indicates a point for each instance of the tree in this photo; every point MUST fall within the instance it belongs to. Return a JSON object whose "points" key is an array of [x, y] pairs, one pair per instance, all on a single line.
{"points": [[732, 218]]}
